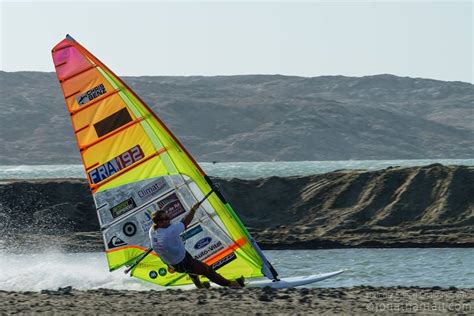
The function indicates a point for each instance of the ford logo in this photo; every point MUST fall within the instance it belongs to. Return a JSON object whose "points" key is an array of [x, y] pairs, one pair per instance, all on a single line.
{"points": [[203, 243]]}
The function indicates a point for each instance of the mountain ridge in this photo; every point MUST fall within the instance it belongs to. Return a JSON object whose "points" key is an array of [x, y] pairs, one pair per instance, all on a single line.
{"points": [[259, 117]]}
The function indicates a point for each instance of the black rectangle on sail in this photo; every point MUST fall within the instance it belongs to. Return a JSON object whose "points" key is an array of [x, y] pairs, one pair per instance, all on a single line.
{"points": [[112, 122]]}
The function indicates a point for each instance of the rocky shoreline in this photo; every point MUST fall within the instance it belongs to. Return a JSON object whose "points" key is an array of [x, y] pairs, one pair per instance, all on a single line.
{"points": [[358, 300], [430, 206]]}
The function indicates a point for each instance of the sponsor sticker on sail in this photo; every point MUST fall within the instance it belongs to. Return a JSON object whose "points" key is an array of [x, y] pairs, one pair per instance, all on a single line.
{"points": [[206, 247], [116, 164], [123, 207], [171, 205], [152, 189], [191, 232], [91, 94], [222, 262]]}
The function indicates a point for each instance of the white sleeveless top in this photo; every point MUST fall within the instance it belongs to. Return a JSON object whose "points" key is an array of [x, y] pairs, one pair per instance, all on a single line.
{"points": [[167, 243]]}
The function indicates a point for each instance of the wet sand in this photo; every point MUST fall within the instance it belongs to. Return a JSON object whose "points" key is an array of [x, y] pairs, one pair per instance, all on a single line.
{"points": [[359, 300]]}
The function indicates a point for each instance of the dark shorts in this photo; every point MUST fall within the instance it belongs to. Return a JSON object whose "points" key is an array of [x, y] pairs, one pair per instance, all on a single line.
{"points": [[185, 266]]}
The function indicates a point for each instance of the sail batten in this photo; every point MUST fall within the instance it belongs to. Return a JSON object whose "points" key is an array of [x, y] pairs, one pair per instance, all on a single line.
{"points": [[135, 166]]}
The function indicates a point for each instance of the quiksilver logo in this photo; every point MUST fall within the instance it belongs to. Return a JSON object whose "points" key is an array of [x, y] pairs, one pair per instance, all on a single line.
{"points": [[116, 242]]}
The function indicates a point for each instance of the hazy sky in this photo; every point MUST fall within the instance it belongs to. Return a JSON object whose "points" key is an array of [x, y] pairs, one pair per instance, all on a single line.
{"points": [[429, 39]]}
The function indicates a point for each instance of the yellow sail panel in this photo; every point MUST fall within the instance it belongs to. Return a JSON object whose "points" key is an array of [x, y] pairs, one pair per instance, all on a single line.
{"points": [[136, 166], [111, 108]]}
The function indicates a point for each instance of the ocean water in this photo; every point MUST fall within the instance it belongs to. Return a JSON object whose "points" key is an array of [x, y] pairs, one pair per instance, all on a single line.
{"points": [[376, 267], [243, 170]]}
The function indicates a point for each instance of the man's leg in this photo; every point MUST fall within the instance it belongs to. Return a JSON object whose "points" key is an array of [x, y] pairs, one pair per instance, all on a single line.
{"points": [[201, 268], [196, 281]]}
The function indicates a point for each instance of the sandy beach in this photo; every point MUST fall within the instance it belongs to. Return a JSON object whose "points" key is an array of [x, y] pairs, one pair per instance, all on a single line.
{"points": [[359, 300]]}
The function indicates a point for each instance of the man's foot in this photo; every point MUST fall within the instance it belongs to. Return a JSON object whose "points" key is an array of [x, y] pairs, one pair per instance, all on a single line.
{"points": [[203, 285], [238, 283], [241, 281], [197, 282]]}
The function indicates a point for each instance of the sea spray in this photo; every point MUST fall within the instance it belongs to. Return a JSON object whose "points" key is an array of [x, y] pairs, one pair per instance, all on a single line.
{"points": [[53, 269], [371, 267]]}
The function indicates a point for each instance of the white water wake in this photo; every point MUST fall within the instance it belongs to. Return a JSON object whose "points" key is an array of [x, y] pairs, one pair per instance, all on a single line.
{"points": [[50, 270], [425, 267], [243, 170]]}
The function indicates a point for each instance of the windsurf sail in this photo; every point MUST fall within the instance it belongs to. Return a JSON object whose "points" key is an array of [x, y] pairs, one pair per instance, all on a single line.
{"points": [[136, 166]]}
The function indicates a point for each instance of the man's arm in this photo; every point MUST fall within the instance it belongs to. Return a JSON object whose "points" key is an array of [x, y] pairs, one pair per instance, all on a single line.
{"points": [[189, 217]]}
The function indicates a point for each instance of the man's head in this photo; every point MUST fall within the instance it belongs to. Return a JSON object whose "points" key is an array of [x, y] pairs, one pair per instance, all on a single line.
{"points": [[160, 219]]}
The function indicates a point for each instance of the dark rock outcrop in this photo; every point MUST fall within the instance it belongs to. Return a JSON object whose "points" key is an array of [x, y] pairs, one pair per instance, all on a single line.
{"points": [[396, 207]]}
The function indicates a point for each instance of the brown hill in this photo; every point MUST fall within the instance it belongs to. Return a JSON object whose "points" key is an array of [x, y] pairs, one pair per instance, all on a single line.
{"points": [[396, 207], [417, 206], [259, 117]]}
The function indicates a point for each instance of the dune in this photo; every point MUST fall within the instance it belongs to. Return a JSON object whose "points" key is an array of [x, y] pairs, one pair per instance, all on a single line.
{"points": [[429, 206]]}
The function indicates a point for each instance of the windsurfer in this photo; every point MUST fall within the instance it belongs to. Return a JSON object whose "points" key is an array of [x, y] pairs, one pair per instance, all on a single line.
{"points": [[167, 243]]}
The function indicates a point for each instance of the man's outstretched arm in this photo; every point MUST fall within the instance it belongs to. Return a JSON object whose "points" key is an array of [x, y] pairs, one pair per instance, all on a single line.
{"points": [[189, 217]]}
